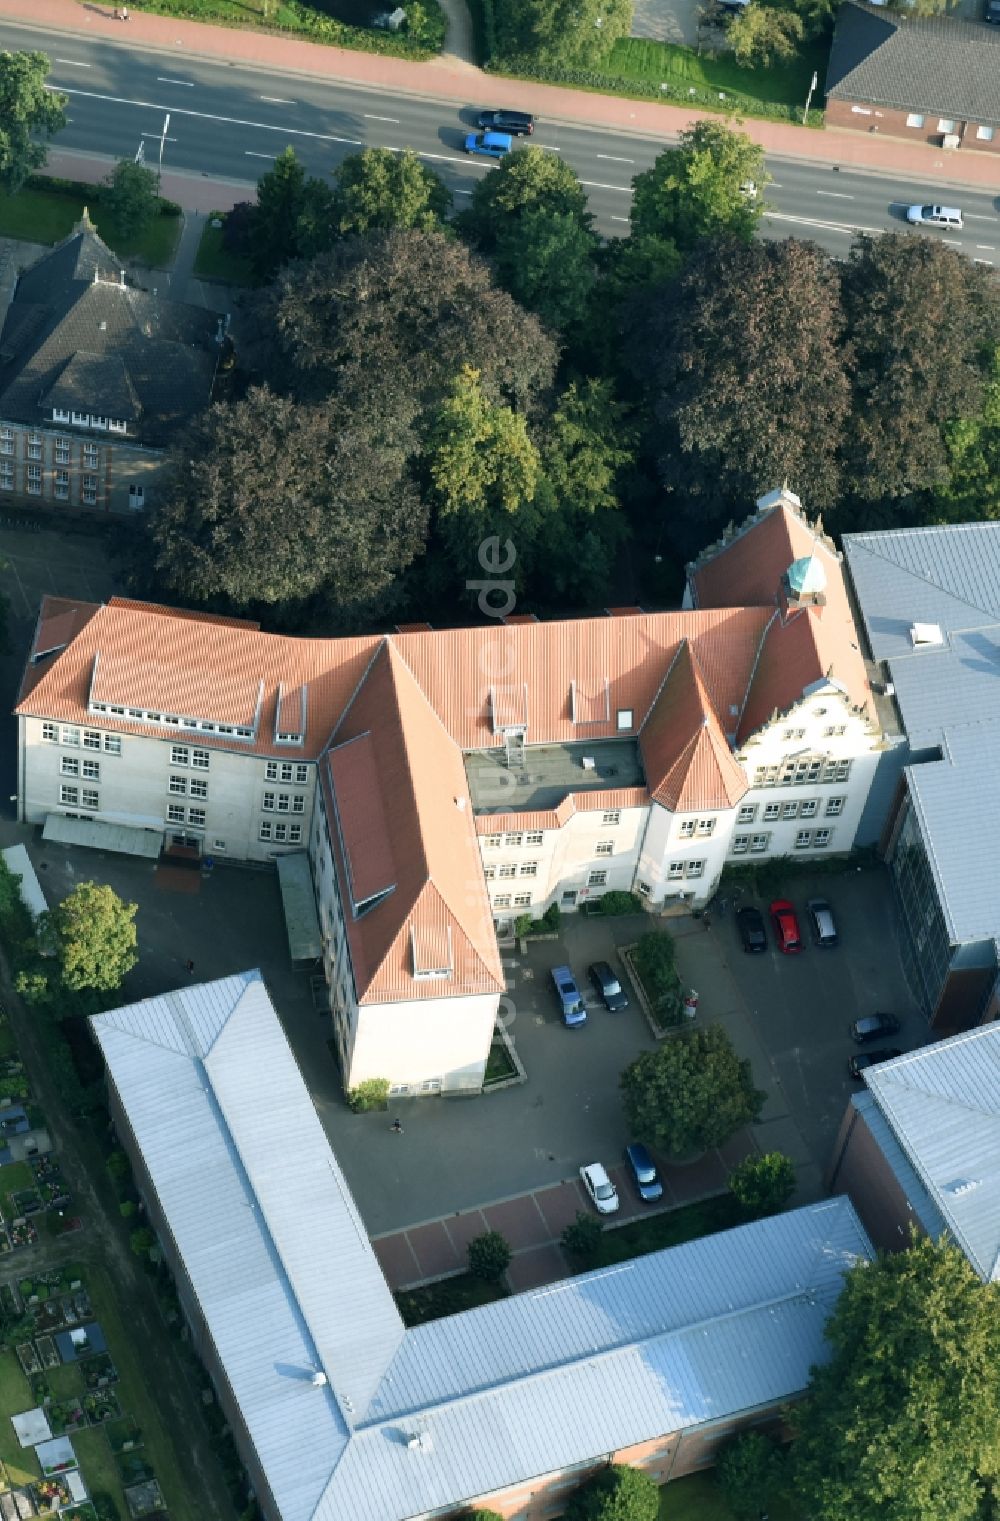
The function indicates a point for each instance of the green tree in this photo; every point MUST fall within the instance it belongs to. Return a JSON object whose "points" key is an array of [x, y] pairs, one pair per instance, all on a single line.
{"points": [[142, 1241], [27, 111], [480, 458], [972, 444], [489, 1256], [483, 1515], [697, 190], [589, 440], [655, 965], [922, 7], [901, 1424], [130, 195], [750, 1471], [281, 201], [546, 260], [582, 1237], [690, 1093], [93, 934], [526, 180], [616, 1493], [762, 35], [567, 33], [763, 1184], [379, 188]]}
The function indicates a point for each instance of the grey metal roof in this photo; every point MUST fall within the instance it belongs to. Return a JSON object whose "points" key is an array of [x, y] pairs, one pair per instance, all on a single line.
{"points": [[933, 64], [98, 834], [942, 1104], [298, 899], [919, 1200], [955, 802]]}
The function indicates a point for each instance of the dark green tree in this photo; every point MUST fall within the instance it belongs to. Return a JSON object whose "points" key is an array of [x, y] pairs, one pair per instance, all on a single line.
{"points": [[130, 195], [566, 33], [751, 1472], [92, 932], [489, 1256], [698, 189], [762, 35], [901, 1424], [692, 1092], [972, 491], [526, 180], [281, 200], [546, 260], [379, 188], [582, 1237], [28, 111], [617, 1493], [763, 1184]]}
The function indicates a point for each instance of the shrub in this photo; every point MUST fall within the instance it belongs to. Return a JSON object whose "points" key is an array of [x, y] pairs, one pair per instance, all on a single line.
{"points": [[489, 1256], [615, 903], [117, 1165], [141, 1241], [582, 1237], [616, 1494], [373, 1093], [763, 1185], [127, 1209], [552, 917], [749, 1470], [483, 1515], [523, 924], [238, 228], [653, 959]]}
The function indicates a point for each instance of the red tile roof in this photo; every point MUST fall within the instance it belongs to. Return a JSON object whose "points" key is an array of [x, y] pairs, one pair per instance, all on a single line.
{"points": [[688, 763]]}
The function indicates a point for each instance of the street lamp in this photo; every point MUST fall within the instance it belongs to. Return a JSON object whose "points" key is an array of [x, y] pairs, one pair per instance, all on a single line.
{"points": [[812, 85], [163, 138]]}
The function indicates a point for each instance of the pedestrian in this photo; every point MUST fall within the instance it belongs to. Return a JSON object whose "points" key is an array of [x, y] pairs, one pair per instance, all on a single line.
{"points": [[396, 1128], [124, 12], [189, 967]]}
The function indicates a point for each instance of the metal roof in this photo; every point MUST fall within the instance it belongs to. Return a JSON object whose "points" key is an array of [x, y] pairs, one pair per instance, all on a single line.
{"points": [[298, 900], [19, 862], [125, 839], [942, 1104]]}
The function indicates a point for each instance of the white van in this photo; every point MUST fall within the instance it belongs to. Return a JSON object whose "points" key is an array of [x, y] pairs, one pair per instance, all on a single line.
{"points": [[935, 216]]}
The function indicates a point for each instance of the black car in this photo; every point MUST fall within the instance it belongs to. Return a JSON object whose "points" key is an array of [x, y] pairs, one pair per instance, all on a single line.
{"points": [[516, 123], [608, 986], [863, 1059], [873, 1027], [750, 923]]}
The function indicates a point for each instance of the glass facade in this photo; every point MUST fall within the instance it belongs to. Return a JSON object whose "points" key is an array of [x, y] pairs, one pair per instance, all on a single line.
{"points": [[925, 946]]}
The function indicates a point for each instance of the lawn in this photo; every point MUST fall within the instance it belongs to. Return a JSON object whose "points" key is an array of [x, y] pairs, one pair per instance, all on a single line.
{"points": [[668, 63], [64, 1381], [98, 1465], [499, 1067], [15, 1395], [321, 22], [698, 1498], [13, 1178], [45, 216], [213, 262]]}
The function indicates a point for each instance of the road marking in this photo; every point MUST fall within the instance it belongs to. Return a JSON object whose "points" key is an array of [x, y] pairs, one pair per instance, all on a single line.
{"points": [[620, 219], [596, 185], [836, 195], [773, 185], [156, 136], [270, 156], [461, 192], [229, 121], [393, 119], [986, 247], [954, 242], [983, 261], [610, 159], [547, 148], [187, 83], [71, 63], [277, 100], [848, 229], [971, 216]]}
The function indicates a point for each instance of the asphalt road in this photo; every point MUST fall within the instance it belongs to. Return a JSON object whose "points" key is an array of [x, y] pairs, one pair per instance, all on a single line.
{"points": [[229, 123]]}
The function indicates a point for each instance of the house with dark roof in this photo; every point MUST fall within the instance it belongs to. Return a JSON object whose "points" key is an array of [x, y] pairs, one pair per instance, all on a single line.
{"points": [[933, 79], [97, 377]]}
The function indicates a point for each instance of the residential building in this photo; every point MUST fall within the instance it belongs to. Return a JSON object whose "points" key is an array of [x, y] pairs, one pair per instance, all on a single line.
{"points": [[929, 611], [930, 79], [337, 1409], [444, 782], [97, 377]]}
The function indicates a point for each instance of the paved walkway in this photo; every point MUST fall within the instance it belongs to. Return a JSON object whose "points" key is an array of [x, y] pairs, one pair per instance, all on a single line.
{"points": [[533, 1223], [450, 79], [458, 44]]}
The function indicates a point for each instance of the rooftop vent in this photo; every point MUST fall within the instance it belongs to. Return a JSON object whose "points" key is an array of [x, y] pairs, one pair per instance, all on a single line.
{"points": [[925, 635], [959, 1186], [319, 1379]]}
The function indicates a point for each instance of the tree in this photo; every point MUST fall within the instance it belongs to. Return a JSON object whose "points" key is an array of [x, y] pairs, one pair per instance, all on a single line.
{"points": [[269, 501], [546, 260], [489, 1256], [762, 35], [379, 188], [582, 1236], [972, 491], [574, 33], [742, 362], [763, 1184], [655, 965], [27, 110], [589, 440], [130, 195], [480, 458], [750, 1471], [616, 1493], [696, 190], [901, 1424], [93, 934], [922, 7], [281, 199], [483, 1515], [526, 180], [690, 1093]]}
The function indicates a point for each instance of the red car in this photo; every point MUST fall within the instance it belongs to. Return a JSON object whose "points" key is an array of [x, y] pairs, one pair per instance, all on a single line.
{"points": [[786, 927]]}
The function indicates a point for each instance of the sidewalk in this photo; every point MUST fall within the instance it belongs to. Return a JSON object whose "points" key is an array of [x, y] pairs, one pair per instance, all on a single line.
{"points": [[448, 78]]}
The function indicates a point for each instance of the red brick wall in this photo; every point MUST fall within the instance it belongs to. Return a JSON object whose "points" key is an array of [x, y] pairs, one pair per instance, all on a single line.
{"points": [[861, 116], [860, 1170]]}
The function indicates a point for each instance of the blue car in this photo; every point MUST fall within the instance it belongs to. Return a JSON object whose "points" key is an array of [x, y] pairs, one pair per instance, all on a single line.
{"points": [[489, 144], [644, 1173], [573, 1012]]}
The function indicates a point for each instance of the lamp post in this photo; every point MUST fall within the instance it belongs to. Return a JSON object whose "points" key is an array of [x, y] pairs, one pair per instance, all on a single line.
{"points": [[163, 138], [812, 85]]}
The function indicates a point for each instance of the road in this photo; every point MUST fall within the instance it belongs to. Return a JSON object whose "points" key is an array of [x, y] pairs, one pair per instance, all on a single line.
{"points": [[229, 123]]}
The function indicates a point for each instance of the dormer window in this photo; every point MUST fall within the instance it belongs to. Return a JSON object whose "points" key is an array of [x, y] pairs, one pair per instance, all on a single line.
{"points": [[98, 422], [116, 426], [80, 419], [60, 415]]}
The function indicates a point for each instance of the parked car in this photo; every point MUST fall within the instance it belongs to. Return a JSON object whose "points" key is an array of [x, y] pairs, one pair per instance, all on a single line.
{"points": [[935, 216], [602, 1192], [873, 1027], [570, 1002], [517, 123], [750, 923], [489, 144], [644, 1173], [863, 1059], [608, 986], [786, 927], [821, 922], [993, 11]]}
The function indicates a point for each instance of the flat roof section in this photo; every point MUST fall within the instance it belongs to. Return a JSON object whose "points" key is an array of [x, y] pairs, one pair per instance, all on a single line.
{"points": [[545, 774]]}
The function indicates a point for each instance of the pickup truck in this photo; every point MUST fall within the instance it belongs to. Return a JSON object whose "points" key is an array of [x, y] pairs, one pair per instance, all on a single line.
{"points": [[573, 1011]]}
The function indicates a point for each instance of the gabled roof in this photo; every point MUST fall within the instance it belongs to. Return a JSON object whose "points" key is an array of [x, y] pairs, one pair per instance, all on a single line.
{"points": [[942, 1104], [78, 338], [934, 64], [410, 1422], [688, 763]]}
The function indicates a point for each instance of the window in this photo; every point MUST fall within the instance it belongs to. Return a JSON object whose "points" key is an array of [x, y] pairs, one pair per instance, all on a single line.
{"points": [[512, 839], [687, 828], [643, 888], [507, 870], [298, 803], [179, 755], [199, 787], [502, 900], [199, 759], [803, 839], [6, 440], [809, 808], [80, 419], [70, 736], [694, 869], [89, 798], [614, 817], [136, 497], [91, 739], [69, 794], [945, 124], [218, 844], [89, 490], [604, 848], [821, 838], [178, 786], [62, 451], [34, 480], [112, 744], [60, 488], [522, 900], [34, 446], [834, 731], [625, 719], [794, 734], [92, 770], [284, 802], [741, 844], [6, 476], [69, 765], [51, 733], [675, 871], [301, 774], [115, 425], [597, 879], [266, 829], [759, 843], [747, 813], [489, 872], [268, 802], [789, 810], [528, 869], [837, 771], [493, 841], [196, 816], [771, 811], [834, 806], [705, 827], [984, 134], [914, 119], [533, 839], [175, 813]]}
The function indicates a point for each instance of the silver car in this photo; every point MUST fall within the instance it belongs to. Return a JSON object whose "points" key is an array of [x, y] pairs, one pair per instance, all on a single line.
{"points": [[602, 1192], [935, 216]]}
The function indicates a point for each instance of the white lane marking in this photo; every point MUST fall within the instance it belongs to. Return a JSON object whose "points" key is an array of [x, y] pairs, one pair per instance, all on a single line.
{"points": [[847, 228], [269, 156], [836, 195], [986, 247], [596, 185], [977, 216], [71, 63], [277, 100], [187, 83], [156, 137], [610, 159], [775, 186], [620, 219], [547, 148], [393, 119], [954, 242], [229, 121], [983, 261], [461, 192]]}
